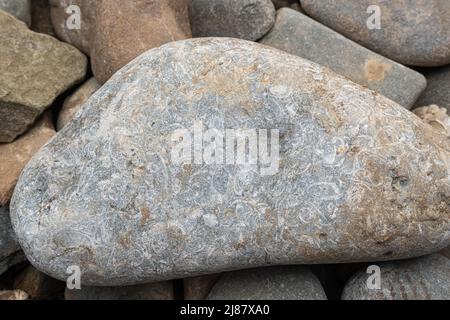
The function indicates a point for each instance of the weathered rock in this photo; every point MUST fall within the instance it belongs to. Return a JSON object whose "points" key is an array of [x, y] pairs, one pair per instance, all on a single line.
{"points": [[437, 91], [243, 19], [19, 8], [446, 252], [66, 14], [74, 103], [13, 295], [425, 278], [412, 32], [198, 288], [10, 252], [38, 285], [15, 155], [41, 21], [34, 70], [275, 283], [153, 291], [114, 32], [298, 34], [109, 194], [436, 117]]}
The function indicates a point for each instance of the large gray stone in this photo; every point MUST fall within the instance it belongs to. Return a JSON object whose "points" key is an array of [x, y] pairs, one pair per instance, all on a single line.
{"points": [[21, 9], [357, 177], [437, 91], [275, 283], [10, 252], [412, 32], [425, 278], [243, 19], [298, 34], [34, 69]]}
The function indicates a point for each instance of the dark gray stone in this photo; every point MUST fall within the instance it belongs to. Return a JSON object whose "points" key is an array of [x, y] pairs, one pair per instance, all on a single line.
{"points": [[438, 89], [298, 34], [152, 291], [10, 252], [106, 194], [412, 32], [275, 283], [243, 19], [21, 9], [425, 278]]}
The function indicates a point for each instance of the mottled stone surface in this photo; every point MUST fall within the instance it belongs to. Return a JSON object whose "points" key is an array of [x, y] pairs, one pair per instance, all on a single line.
{"points": [[34, 70], [40, 17], [358, 178], [114, 32], [436, 117], [425, 278], [62, 10], [243, 19], [153, 291], [10, 252], [21, 9], [38, 285], [437, 91], [412, 32], [275, 283], [15, 155], [198, 288], [298, 34], [74, 103], [446, 252]]}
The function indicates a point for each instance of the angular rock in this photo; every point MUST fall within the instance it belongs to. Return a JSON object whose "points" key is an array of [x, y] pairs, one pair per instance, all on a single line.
{"points": [[298, 34], [38, 285], [10, 252], [198, 288], [114, 32], [244, 19], [425, 278], [34, 70], [436, 117], [356, 178], [21, 9], [14, 156], [13, 295], [41, 21], [275, 283], [412, 32], [152, 291], [74, 103], [437, 91]]}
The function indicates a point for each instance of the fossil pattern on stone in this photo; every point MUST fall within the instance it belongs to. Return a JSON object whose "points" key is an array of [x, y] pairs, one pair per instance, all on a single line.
{"points": [[104, 194]]}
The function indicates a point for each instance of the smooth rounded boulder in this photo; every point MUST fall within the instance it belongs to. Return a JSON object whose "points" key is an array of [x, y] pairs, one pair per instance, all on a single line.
{"points": [[426, 278], [274, 283], [157, 177], [242, 19]]}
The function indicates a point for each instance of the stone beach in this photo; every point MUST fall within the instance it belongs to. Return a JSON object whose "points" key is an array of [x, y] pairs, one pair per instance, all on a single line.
{"points": [[224, 150]]}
